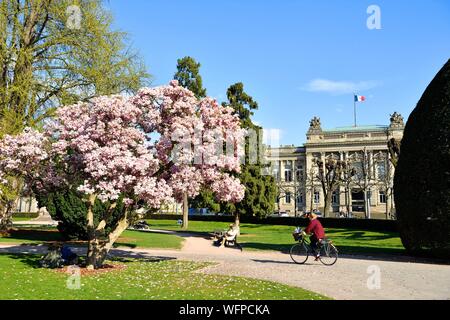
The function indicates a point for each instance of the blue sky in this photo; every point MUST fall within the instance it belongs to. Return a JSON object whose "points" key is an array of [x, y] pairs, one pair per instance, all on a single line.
{"points": [[298, 59]]}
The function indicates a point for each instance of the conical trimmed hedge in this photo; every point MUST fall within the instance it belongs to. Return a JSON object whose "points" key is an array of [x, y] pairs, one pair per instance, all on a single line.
{"points": [[422, 179]]}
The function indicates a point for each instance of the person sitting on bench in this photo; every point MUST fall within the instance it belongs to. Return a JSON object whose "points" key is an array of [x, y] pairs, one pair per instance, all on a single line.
{"points": [[230, 235]]}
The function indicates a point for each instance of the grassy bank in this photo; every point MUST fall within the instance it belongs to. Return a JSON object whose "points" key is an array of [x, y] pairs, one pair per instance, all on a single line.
{"points": [[138, 280], [279, 238], [130, 239]]}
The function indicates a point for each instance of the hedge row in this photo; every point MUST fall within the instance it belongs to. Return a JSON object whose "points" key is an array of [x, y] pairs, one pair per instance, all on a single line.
{"points": [[363, 224], [31, 215]]}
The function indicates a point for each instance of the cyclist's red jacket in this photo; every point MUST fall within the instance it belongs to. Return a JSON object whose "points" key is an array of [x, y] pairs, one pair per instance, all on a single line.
{"points": [[316, 228]]}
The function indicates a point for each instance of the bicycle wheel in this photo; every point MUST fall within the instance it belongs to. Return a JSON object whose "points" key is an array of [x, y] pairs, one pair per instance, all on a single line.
{"points": [[328, 254], [299, 253]]}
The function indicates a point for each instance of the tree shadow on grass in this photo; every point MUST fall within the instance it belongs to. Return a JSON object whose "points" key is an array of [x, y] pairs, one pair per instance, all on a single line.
{"points": [[139, 258], [357, 252], [283, 248], [253, 226], [132, 256], [350, 250], [362, 250], [31, 260], [124, 244], [34, 235], [274, 261], [361, 235]]}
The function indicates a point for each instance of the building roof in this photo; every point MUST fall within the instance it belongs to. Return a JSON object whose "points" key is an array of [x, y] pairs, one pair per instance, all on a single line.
{"points": [[358, 128]]}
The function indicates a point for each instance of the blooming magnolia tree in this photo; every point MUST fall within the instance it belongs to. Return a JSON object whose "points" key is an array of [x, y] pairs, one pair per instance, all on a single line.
{"points": [[201, 142], [139, 151], [20, 159]]}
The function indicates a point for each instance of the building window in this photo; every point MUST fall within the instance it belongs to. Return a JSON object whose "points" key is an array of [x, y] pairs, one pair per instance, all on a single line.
{"points": [[300, 199], [381, 170], [276, 170], [288, 197], [288, 175], [382, 197], [316, 197], [299, 172], [288, 171], [335, 197]]}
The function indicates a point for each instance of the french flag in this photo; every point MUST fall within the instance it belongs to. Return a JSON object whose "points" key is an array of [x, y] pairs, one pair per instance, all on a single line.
{"points": [[360, 98]]}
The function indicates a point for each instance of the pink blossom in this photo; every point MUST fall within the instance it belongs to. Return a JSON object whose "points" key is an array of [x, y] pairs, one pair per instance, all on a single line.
{"points": [[161, 143]]}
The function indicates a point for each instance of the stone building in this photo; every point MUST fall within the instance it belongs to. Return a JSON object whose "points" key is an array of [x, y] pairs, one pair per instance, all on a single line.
{"points": [[364, 148]]}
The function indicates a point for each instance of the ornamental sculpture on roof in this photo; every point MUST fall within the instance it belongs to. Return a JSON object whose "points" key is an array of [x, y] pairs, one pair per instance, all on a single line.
{"points": [[315, 125], [397, 120]]}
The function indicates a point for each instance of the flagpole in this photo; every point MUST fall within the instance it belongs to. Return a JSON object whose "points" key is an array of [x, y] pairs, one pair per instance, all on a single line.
{"points": [[354, 107]]}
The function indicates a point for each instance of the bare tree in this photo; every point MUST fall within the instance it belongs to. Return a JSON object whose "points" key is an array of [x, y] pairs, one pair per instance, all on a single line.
{"points": [[385, 179], [394, 147], [365, 163], [360, 162], [329, 175], [347, 174]]}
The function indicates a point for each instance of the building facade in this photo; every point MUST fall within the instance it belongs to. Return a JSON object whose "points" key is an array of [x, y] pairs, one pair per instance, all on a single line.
{"points": [[365, 190]]}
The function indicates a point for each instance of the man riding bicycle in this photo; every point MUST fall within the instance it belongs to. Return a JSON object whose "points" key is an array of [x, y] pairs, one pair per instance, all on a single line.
{"points": [[317, 232]]}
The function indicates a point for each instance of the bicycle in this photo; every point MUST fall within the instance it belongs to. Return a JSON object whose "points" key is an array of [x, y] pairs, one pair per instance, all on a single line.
{"points": [[328, 253]]}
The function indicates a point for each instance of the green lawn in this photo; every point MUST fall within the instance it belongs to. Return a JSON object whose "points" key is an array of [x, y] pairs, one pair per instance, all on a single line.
{"points": [[253, 237], [140, 280], [279, 238], [131, 239], [136, 239]]}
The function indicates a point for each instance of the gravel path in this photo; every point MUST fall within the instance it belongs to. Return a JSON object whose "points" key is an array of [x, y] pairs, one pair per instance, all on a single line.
{"points": [[347, 279]]}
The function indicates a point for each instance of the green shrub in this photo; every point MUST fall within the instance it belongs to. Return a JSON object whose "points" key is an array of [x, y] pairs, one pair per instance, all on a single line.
{"points": [[30, 215], [422, 179], [68, 208]]}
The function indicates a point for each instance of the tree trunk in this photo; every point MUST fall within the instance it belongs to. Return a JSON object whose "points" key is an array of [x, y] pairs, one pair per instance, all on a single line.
{"points": [[327, 207], [185, 211], [279, 205], [6, 217], [347, 200], [92, 241], [237, 222], [391, 211], [366, 205], [387, 205], [98, 249]]}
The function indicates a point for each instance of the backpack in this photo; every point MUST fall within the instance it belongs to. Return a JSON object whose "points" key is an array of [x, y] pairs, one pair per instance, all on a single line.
{"points": [[52, 260]]}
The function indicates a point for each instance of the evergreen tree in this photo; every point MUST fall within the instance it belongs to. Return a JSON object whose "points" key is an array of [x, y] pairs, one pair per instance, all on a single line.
{"points": [[422, 178], [242, 103], [188, 76]]}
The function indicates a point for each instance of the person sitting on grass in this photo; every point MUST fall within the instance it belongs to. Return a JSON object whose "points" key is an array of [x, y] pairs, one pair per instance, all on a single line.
{"points": [[229, 235], [315, 229]]}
